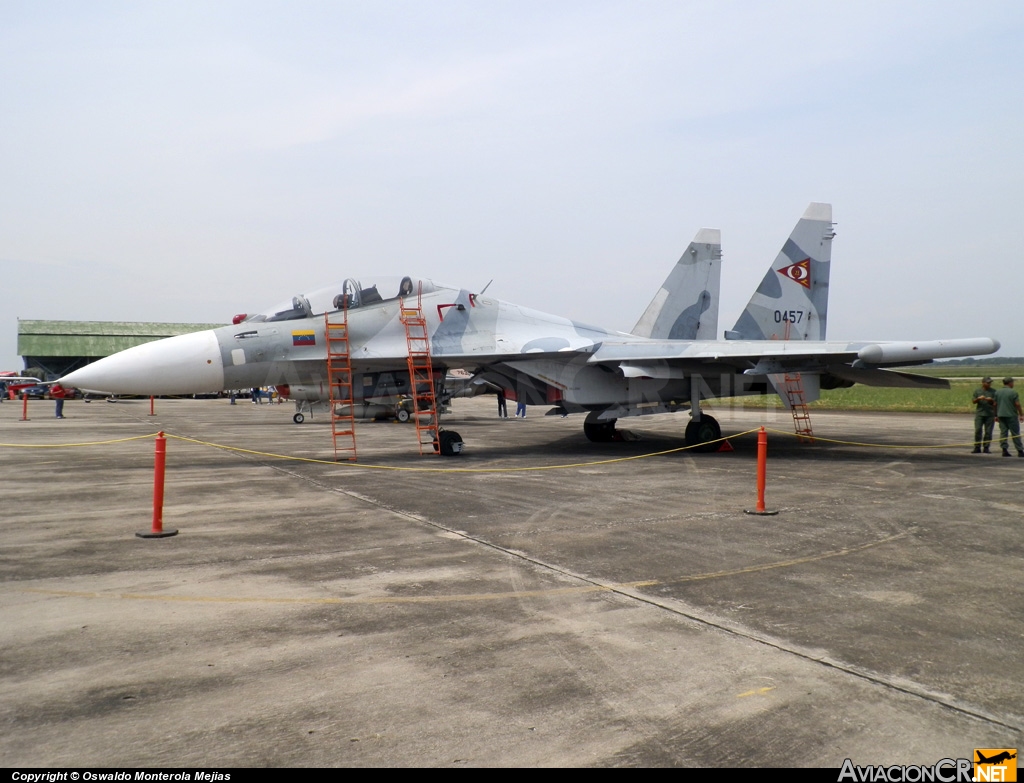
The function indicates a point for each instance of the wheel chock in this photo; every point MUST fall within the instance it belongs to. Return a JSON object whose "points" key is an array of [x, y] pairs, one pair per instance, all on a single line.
{"points": [[726, 446]]}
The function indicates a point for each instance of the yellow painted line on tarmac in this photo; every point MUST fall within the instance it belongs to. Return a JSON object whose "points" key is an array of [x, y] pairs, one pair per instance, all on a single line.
{"points": [[463, 597], [369, 600], [757, 692]]}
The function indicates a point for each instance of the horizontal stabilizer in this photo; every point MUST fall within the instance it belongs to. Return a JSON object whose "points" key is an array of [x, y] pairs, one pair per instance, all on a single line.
{"points": [[890, 378]]}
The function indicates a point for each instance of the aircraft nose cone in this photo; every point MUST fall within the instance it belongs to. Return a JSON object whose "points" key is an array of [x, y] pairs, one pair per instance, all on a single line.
{"points": [[186, 364]]}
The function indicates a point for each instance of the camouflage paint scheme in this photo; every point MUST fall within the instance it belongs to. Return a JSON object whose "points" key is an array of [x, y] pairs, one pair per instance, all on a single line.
{"points": [[686, 305], [670, 361]]}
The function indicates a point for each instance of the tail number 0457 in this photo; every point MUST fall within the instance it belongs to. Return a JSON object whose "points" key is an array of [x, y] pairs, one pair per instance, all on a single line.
{"points": [[789, 316]]}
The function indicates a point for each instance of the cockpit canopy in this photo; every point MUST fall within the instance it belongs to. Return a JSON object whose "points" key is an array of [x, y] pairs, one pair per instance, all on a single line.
{"points": [[351, 293]]}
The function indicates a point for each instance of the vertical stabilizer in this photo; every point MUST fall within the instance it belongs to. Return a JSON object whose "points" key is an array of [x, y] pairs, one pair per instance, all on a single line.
{"points": [[792, 301], [686, 305]]}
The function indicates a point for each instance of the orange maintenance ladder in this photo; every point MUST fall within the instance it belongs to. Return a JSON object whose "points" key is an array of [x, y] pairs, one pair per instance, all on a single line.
{"points": [[794, 390], [339, 376], [421, 374]]}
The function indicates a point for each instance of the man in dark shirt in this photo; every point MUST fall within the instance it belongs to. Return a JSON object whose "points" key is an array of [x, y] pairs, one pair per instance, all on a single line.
{"points": [[1010, 415], [984, 415]]}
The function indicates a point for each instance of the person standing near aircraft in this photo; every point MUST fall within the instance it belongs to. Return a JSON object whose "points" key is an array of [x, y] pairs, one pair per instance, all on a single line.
{"points": [[520, 408], [984, 415], [58, 393], [1010, 416], [502, 407]]}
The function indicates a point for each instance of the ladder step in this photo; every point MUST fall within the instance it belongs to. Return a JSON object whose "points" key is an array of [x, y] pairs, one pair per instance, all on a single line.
{"points": [[339, 375], [421, 376], [794, 392]]}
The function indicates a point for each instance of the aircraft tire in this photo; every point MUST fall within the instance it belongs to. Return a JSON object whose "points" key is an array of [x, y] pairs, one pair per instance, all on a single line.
{"points": [[446, 440], [600, 432], [298, 418], [402, 415], [699, 433]]}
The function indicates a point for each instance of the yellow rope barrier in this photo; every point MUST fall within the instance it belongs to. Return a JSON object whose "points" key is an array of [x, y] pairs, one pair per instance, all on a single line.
{"points": [[446, 470], [312, 460], [872, 445], [74, 445]]}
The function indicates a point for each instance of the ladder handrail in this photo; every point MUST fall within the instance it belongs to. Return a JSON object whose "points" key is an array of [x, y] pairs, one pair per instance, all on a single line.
{"points": [[339, 379], [421, 371], [794, 391]]}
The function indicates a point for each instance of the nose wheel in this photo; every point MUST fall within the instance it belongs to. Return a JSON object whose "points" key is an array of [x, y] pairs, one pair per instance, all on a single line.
{"points": [[298, 418], [448, 443]]}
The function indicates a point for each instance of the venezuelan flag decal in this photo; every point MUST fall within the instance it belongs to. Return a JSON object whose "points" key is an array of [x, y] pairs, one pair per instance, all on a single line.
{"points": [[304, 337]]}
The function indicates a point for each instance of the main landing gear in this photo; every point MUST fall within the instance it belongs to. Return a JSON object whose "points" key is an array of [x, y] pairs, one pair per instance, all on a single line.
{"points": [[703, 431], [703, 434], [600, 431]]}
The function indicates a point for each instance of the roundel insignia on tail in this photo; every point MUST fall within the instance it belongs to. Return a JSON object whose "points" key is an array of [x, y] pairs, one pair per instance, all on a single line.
{"points": [[800, 272]]}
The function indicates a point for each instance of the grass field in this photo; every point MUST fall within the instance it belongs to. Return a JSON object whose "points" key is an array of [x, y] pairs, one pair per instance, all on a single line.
{"points": [[997, 371], [956, 399]]}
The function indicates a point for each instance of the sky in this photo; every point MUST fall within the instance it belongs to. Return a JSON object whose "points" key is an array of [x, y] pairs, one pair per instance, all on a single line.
{"points": [[186, 161]]}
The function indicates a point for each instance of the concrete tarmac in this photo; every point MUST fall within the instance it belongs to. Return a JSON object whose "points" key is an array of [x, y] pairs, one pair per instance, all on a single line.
{"points": [[620, 613]]}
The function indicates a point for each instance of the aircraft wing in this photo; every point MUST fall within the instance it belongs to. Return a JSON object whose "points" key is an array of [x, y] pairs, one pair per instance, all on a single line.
{"points": [[870, 376], [775, 355], [857, 362]]}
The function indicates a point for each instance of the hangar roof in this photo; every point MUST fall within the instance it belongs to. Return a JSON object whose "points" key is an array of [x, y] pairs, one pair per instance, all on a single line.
{"points": [[93, 338]]}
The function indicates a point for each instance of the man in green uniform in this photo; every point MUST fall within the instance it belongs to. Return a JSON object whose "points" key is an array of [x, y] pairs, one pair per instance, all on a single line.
{"points": [[1010, 415], [984, 415]]}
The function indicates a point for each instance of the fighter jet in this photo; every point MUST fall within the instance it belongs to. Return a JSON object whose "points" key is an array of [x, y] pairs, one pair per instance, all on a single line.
{"points": [[671, 361]]}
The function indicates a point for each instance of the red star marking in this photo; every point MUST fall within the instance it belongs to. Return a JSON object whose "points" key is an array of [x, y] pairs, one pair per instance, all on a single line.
{"points": [[800, 272]]}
